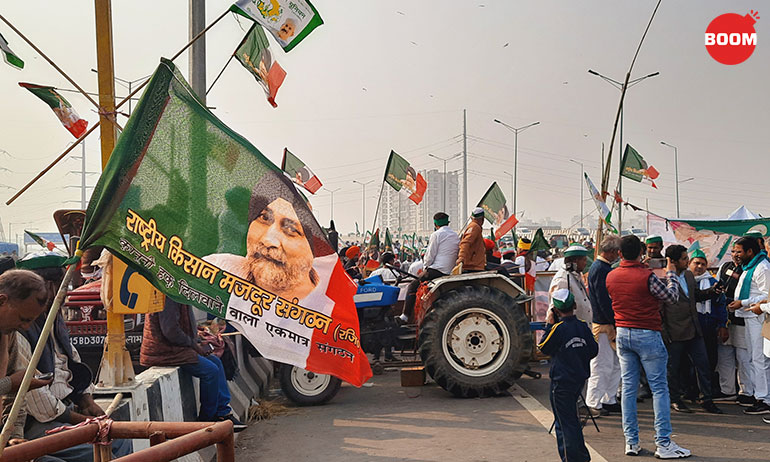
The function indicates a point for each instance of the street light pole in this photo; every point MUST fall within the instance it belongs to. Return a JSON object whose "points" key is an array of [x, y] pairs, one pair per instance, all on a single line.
{"points": [[443, 181], [619, 86], [332, 191], [581, 189], [515, 152], [513, 212], [676, 172], [363, 200]]}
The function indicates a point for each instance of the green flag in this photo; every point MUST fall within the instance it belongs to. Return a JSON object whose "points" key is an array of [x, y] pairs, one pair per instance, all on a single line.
{"points": [[299, 172], [9, 56], [289, 21], [404, 178], [388, 241], [634, 167], [374, 242], [60, 106], [267, 268], [496, 211], [254, 54]]}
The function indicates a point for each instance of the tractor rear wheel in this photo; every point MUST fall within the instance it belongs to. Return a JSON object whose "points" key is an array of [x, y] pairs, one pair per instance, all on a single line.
{"points": [[475, 341]]}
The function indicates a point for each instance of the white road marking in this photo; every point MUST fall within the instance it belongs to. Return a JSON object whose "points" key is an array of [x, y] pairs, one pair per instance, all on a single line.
{"points": [[545, 416]]}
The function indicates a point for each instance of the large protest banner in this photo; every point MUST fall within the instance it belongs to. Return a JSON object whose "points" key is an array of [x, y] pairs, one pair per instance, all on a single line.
{"points": [[208, 220], [713, 237]]}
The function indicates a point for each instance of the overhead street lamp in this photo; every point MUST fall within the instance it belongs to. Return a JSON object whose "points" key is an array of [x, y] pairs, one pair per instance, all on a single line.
{"points": [[332, 191], [363, 200], [581, 189], [619, 86], [443, 181], [676, 172], [515, 152], [127, 83]]}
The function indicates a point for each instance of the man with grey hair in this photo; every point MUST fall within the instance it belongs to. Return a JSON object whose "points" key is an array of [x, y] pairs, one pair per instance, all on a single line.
{"points": [[605, 367]]}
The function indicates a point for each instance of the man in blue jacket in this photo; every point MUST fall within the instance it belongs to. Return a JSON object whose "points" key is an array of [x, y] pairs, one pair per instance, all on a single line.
{"points": [[571, 346]]}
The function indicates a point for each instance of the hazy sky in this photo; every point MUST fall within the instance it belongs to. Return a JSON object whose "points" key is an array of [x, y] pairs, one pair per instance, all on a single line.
{"points": [[396, 75]]}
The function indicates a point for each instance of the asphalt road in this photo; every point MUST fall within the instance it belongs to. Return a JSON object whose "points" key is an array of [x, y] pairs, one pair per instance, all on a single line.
{"points": [[386, 422]]}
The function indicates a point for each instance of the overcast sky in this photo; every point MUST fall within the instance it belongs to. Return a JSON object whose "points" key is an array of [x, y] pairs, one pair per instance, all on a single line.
{"points": [[397, 75]]}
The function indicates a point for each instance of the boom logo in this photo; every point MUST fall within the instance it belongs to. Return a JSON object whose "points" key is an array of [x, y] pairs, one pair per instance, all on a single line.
{"points": [[731, 38]]}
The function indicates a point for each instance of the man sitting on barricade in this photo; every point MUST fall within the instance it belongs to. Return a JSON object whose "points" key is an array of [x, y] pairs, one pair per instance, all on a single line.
{"points": [[67, 400]]}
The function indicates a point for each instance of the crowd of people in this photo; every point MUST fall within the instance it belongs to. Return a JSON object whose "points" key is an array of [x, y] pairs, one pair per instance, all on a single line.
{"points": [[61, 394], [662, 327]]}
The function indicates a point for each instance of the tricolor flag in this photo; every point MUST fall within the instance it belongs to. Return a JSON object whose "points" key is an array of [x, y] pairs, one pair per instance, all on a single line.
{"points": [[234, 238], [9, 56], [404, 178], [290, 21], [299, 172], [601, 206], [634, 167], [496, 211], [254, 53], [538, 243], [41, 241], [60, 106]]}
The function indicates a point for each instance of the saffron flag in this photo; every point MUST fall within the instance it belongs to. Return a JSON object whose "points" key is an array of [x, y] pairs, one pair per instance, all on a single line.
{"points": [[289, 21], [601, 206], [299, 172], [60, 106], [9, 56], [634, 167], [404, 178], [254, 54], [206, 218], [496, 211], [538, 243]]}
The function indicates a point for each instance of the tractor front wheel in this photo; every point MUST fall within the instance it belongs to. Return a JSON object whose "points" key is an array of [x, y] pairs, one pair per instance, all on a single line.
{"points": [[475, 341]]}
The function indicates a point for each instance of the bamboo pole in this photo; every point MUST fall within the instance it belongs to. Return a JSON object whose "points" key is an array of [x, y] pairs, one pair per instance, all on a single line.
{"points": [[24, 387]]}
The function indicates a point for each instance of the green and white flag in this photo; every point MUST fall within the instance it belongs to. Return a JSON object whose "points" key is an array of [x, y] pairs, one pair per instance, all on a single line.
{"points": [[254, 54], [206, 218], [404, 178], [9, 56], [60, 106], [290, 21], [496, 211], [601, 205], [634, 167]]}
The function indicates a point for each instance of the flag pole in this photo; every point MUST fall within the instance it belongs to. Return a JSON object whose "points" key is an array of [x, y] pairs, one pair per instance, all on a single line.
{"points": [[121, 103], [39, 347], [53, 64], [220, 74], [606, 176], [377, 210]]}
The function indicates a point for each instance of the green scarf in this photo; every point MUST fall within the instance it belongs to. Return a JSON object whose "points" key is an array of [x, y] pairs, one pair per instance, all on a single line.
{"points": [[749, 273]]}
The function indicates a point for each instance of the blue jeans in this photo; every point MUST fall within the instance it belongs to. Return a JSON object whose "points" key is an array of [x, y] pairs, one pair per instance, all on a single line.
{"points": [[215, 395], [645, 348]]}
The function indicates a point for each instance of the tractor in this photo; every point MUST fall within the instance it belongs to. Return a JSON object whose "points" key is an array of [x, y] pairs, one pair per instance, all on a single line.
{"points": [[472, 334]]}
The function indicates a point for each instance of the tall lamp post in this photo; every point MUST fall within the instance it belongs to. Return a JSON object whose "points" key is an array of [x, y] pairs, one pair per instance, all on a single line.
{"points": [[676, 172], [443, 181], [515, 131], [511, 176], [619, 86], [332, 191], [581, 189], [363, 200]]}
